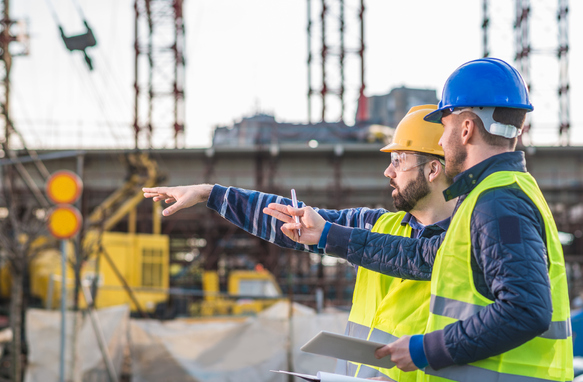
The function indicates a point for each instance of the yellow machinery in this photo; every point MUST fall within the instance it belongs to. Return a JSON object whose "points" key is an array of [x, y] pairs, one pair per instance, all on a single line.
{"points": [[248, 292], [129, 267], [133, 268]]}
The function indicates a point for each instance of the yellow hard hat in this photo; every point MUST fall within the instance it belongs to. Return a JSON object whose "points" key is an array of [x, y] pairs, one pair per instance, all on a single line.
{"points": [[415, 134]]}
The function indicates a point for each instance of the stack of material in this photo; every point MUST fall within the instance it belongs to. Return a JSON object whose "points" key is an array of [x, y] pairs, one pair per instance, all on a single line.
{"points": [[83, 360], [230, 349]]}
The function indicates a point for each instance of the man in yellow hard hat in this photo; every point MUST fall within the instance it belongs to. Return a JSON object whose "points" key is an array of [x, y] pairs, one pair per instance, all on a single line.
{"points": [[384, 308]]}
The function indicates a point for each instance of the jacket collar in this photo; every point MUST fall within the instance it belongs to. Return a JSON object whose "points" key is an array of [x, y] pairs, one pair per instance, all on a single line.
{"points": [[410, 219], [465, 181]]}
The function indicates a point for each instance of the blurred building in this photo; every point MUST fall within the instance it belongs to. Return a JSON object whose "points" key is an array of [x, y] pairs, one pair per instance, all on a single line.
{"points": [[264, 130], [389, 109], [374, 115]]}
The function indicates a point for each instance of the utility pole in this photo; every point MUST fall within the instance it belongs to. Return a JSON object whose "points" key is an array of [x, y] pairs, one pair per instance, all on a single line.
{"points": [[6, 56], [5, 66]]}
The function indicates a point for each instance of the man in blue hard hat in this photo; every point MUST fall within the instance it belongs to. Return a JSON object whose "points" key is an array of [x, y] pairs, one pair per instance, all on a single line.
{"points": [[499, 306]]}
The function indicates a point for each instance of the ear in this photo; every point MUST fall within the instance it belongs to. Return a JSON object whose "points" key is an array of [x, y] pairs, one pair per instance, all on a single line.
{"points": [[435, 169], [468, 130]]}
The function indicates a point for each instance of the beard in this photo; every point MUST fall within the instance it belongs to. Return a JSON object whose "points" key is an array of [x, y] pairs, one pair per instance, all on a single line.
{"points": [[454, 157], [406, 199]]}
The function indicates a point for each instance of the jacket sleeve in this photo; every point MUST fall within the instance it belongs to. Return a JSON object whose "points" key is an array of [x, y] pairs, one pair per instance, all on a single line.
{"points": [[244, 208], [395, 256], [510, 259]]}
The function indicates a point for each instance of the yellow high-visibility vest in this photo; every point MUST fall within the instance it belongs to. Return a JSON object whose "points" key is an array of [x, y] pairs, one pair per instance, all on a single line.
{"points": [[548, 357], [385, 308]]}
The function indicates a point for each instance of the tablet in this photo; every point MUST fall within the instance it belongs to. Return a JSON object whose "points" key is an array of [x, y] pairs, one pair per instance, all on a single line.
{"points": [[347, 348]]}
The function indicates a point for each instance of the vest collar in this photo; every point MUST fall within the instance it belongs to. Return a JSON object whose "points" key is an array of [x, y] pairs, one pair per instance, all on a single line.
{"points": [[465, 181]]}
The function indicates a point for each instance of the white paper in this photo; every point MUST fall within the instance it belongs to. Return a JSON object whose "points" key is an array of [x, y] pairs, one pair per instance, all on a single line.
{"points": [[323, 377], [331, 377]]}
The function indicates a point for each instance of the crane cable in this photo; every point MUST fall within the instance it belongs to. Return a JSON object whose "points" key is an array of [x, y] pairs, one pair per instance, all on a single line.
{"points": [[96, 94], [56, 17]]}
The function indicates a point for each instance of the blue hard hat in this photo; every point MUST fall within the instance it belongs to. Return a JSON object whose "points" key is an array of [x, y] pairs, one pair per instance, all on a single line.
{"points": [[485, 82]]}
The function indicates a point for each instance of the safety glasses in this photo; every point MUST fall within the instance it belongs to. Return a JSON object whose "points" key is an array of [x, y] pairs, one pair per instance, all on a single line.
{"points": [[399, 160]]}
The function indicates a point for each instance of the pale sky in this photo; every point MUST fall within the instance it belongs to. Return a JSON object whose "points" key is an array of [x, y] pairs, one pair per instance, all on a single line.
{"points": [[249, 55]]}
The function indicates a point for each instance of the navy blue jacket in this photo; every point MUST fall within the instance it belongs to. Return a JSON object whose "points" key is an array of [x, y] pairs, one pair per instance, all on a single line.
{"points": [[510, 266], [244, 208]]}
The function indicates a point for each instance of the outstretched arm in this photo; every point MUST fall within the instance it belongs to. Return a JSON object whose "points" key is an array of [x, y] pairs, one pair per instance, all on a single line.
{"points": [[244, 209]]}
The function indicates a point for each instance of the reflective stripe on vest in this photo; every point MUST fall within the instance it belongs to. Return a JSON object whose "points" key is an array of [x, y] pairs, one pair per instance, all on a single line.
{"points": [[548, 357], [353, 330], [378, 335], [369, 372], [352, 368], [558, 330], [478, 374], [342, 367], [357, 330]]}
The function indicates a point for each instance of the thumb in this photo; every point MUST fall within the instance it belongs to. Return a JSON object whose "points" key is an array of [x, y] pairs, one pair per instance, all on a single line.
{"points": [[291, 233], [383, 351], [172, 209]]}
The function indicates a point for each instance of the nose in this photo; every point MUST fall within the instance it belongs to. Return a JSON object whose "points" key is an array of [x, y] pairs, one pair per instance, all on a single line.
{"points": [[390, 172]]}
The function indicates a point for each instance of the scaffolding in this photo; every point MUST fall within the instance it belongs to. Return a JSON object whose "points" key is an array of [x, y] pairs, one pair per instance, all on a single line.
{"points": [[159, 73], [524, 51], [563, 55], [333, 55], [485, 26], [5, 66]]}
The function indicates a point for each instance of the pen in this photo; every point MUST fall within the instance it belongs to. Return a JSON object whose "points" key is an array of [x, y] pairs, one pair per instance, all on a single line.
{"points": [[295, 205]]}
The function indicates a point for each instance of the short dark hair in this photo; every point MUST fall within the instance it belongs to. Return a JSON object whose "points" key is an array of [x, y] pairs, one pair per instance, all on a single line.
{"points": [[424, 157], [507, 116]]}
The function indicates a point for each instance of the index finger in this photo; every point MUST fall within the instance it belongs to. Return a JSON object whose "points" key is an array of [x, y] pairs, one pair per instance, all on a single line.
{"points": [[154, 190], [282, 216], [155, 195], [287, 209], [279, 207]]}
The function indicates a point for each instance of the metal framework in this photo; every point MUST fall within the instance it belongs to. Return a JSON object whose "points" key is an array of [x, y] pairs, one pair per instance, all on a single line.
{"points": [[5, 66], [563, 55], [485, 25], [333, 12], [159, 72], [523, 49]]}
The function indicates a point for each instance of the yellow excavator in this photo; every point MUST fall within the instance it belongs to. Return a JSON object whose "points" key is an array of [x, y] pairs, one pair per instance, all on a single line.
{"points": [[133, 268], [126, 267]]}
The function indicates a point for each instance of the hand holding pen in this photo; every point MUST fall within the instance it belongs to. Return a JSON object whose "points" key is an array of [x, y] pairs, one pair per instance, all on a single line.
{"points": [[295, 205], [306, 218]]}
